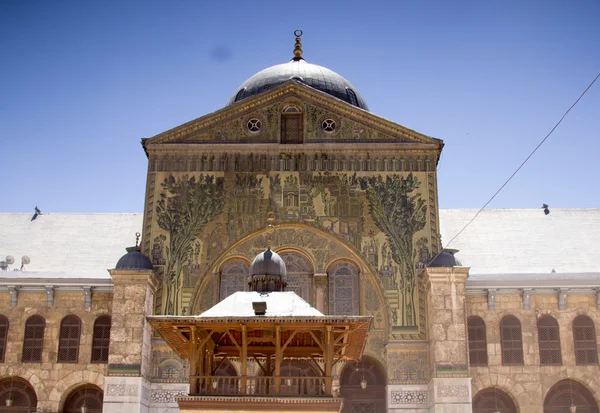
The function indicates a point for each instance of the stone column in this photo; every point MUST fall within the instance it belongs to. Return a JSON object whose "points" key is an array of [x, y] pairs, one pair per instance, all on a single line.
{"points": [[126, 385], [450, 386]]}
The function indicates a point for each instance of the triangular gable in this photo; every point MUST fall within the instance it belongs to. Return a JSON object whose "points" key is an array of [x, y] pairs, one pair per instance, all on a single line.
{"points": [[213, 128]]}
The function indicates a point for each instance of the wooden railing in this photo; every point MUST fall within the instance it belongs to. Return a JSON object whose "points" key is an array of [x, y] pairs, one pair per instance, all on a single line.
{"points": [[260, 386]]}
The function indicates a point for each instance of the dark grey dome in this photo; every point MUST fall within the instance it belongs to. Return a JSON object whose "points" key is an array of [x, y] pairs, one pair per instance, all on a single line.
{"points": [[314, 76], [267, 272], [134, 260], [446, 258]]}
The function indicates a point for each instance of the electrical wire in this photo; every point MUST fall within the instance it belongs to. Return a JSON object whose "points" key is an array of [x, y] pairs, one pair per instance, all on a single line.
{"points": [[518, 169]]}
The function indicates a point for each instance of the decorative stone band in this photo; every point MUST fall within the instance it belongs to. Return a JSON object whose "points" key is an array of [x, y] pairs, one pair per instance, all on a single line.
{"points": [[166, 396], [122, 390], [461, 391], [260, 404], [409, 397]]}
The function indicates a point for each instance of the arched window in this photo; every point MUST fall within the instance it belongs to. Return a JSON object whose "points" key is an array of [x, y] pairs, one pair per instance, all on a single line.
{"points": [[33, 341], [511, 341], [101, 339], [234, 275], [477, 342], [549, 341], [88, 394], [68, 340], [20, 392], [292, 125], [584, 338], [299, 274], [343, 289], [566, 393], [493, 400], [3, 336]]}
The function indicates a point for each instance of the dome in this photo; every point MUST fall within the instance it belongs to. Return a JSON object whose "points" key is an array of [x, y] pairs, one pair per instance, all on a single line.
{"points": [[315, 76], [134, 260], [446, 258], [267, 272]]}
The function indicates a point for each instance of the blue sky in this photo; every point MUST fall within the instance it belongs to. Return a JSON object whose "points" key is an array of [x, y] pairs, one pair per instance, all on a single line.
{"points": [[82, 82]]}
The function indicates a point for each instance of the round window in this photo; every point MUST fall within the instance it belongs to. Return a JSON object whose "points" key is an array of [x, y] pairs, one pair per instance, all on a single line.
{"points": [[254, 125], [328, 125]]}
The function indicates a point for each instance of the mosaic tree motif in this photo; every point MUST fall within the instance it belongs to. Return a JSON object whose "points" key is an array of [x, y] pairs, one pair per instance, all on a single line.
{"points": [[299, 274], [234, 276], [185, 206], [399, 213], [343, 289]]}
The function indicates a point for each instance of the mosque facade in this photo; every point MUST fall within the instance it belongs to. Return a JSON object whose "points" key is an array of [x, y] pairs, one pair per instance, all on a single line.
{"points": [[352, 199]]}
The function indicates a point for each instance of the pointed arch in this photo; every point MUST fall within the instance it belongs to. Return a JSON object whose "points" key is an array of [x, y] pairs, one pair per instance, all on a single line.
{"points": [[567, 392], [373, 397], [90, 395], [22, 394], [493, 399]]}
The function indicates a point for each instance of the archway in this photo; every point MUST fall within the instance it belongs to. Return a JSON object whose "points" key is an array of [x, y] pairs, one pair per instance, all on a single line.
{"points": [[370, 399], [88, 394], [22, 396], [567, 392], [492, 400]]}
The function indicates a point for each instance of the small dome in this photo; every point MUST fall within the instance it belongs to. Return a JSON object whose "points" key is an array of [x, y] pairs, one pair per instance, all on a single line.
{"points": [[267, 272], [134, 260], [446, 258], [315, 76]]}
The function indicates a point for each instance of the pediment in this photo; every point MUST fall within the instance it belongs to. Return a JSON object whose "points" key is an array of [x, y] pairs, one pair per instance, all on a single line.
{"points": [[229, 125]]}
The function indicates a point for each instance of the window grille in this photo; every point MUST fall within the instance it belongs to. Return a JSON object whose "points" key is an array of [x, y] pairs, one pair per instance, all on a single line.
{"points": [[477, 342], [549, 341], [101, 339], [3, 336], [234, 277], [343, 289], [33, 341], [584, 338], [68, 341], [511, 341]]}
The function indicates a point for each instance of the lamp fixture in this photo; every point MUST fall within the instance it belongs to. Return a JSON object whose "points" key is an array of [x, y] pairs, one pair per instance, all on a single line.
{"points": [[363, 382], [84, 407], [572, 407], [9, 400]]}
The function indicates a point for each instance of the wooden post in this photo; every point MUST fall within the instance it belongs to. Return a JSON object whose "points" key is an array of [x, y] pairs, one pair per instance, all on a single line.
{"points": [[201, 369], [268, 373], [278, 358], [193, 357], [328, 356], [244, 357]]}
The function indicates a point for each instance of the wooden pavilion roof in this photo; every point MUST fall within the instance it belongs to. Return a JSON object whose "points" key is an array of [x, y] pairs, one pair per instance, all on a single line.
{"points": [[300, 336]]}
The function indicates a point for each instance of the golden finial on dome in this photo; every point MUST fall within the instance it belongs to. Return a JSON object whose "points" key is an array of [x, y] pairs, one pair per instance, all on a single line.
{"points": [[298, 45], [270, 227]]}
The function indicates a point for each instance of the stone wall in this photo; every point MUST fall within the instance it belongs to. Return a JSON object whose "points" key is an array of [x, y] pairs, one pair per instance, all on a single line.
{"points": [[529, 384], [53, 381]]}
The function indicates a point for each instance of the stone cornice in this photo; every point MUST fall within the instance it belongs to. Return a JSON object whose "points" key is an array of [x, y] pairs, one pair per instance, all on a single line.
{"points": [[129, 277], [291, 88], [445, 275]]}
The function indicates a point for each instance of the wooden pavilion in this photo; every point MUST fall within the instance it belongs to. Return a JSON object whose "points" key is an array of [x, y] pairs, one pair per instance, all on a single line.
{"points": [[268, 329]]}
